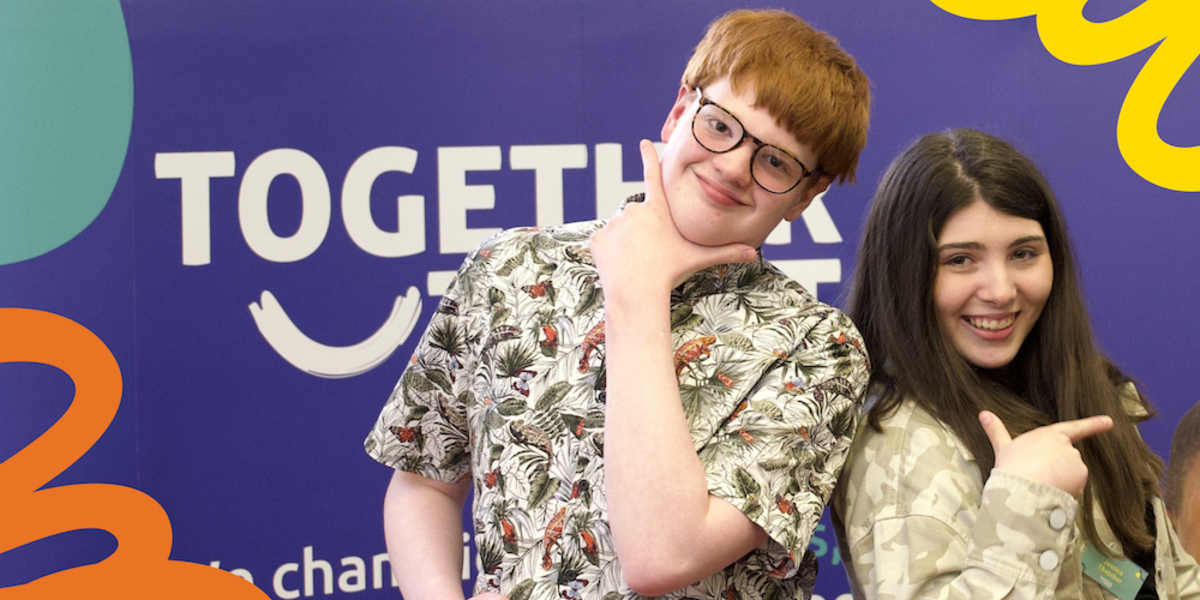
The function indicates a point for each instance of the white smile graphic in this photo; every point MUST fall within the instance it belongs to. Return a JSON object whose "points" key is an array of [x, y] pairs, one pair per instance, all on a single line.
{"points": [[335, 362]]}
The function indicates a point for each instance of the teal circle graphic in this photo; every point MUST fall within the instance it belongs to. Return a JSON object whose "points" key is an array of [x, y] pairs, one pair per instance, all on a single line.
{"points": [[66, 107]]}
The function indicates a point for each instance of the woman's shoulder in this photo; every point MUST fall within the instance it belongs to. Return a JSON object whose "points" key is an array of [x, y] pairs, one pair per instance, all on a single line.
{"points": [[911, 432], [913, 453], [913, 467]]}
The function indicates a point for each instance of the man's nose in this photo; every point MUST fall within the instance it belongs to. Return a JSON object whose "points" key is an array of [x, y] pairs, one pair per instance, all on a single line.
{"points": [[734, 165]]}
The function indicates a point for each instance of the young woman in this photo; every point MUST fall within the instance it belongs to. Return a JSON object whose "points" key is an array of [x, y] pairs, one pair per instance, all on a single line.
{"points": [[1000, 456]]}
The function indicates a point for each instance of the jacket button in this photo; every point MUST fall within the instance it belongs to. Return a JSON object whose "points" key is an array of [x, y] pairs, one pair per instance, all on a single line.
{"points": [[1058, 519], [1048, 560]]}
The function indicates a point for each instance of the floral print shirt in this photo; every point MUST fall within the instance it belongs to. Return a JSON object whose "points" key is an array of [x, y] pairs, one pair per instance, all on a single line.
{"points": [[507, 386]]}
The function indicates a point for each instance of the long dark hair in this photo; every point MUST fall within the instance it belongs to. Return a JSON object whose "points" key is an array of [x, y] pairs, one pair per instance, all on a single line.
{"points": [[1059, 373]]}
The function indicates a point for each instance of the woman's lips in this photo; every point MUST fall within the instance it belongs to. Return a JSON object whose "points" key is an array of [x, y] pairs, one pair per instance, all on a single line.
{"points": [[997, 327]]}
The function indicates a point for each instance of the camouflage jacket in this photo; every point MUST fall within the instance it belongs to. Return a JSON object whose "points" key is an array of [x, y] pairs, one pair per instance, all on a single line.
{"points": [[507, 386], [914, 520]]}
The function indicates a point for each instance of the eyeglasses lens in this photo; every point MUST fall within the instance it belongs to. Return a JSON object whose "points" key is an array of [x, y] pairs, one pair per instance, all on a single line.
{"points": [[718, 131]]}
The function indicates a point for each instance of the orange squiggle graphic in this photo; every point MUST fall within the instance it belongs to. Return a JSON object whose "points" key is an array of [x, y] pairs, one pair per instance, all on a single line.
{"points": [[1074, 40], [140, 567]]}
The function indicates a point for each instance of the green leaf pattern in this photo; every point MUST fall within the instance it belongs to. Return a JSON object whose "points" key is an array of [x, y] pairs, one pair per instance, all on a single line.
{"points": [[771, 408]]}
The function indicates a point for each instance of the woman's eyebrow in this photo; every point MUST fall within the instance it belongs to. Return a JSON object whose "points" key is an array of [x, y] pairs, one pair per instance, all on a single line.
{"points": [[1027, 239], [977, 246], [961, 246]]}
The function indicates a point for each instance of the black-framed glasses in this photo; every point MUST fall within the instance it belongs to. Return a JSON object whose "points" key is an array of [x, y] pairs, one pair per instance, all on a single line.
{"points": [[773, 168]]}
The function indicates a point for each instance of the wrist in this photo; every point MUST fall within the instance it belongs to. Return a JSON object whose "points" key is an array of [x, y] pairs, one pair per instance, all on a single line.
{"points": [[636, 308]]}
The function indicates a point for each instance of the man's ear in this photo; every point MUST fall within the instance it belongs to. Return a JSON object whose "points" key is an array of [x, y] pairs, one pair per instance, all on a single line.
{"points": [[681, 103], [806, 197]]}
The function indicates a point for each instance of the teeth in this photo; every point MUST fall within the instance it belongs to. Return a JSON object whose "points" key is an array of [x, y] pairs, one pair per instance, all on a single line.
{"points": [[992, 324]]}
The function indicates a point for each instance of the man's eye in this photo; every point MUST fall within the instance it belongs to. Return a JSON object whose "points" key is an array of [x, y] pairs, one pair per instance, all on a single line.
{"points": [[776, 162]]}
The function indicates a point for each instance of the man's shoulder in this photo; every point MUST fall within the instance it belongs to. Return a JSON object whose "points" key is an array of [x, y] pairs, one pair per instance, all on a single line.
{"points": [[501, 253], [780, 289], [764, 276], [576, 232]]}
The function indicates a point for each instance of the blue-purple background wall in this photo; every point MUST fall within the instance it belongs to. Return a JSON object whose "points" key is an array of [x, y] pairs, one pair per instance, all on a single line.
{"points": [[258, 462]]}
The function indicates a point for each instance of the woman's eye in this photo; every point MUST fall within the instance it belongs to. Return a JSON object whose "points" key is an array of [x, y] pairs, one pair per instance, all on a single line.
{"points": [[1025, 254]]}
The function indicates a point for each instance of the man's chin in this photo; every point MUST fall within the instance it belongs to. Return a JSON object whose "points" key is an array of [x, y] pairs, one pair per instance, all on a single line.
{"points": [[706, 239], [711, 240]]}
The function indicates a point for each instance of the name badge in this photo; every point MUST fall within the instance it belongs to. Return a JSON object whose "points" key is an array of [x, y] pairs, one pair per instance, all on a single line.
{"points": [[1117, 575]]}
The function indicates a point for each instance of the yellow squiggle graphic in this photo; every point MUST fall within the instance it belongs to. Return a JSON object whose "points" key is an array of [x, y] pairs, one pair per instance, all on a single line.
{"points": [[140, 567], [1074, 40]]}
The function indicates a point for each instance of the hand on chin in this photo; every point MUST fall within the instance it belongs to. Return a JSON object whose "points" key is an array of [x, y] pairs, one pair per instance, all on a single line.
{"points": [[642, 252]]}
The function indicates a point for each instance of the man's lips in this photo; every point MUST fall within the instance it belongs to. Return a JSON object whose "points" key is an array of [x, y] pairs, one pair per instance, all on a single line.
{"points": [[718, 193]]}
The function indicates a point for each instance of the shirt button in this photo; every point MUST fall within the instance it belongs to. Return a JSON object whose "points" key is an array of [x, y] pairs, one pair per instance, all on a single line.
{"points": [[1049, 560], [1058, 519]]}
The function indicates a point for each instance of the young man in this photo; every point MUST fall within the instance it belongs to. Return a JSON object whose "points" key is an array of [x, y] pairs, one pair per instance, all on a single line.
{"points": [[644, 406]]}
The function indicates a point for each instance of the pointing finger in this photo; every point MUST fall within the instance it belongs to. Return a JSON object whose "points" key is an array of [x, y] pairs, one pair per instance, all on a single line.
{"points": [[994, 428], [1082, 428]]}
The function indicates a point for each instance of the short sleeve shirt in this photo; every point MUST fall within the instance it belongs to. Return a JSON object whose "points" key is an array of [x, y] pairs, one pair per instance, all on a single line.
{"points": [[507, 386]]}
